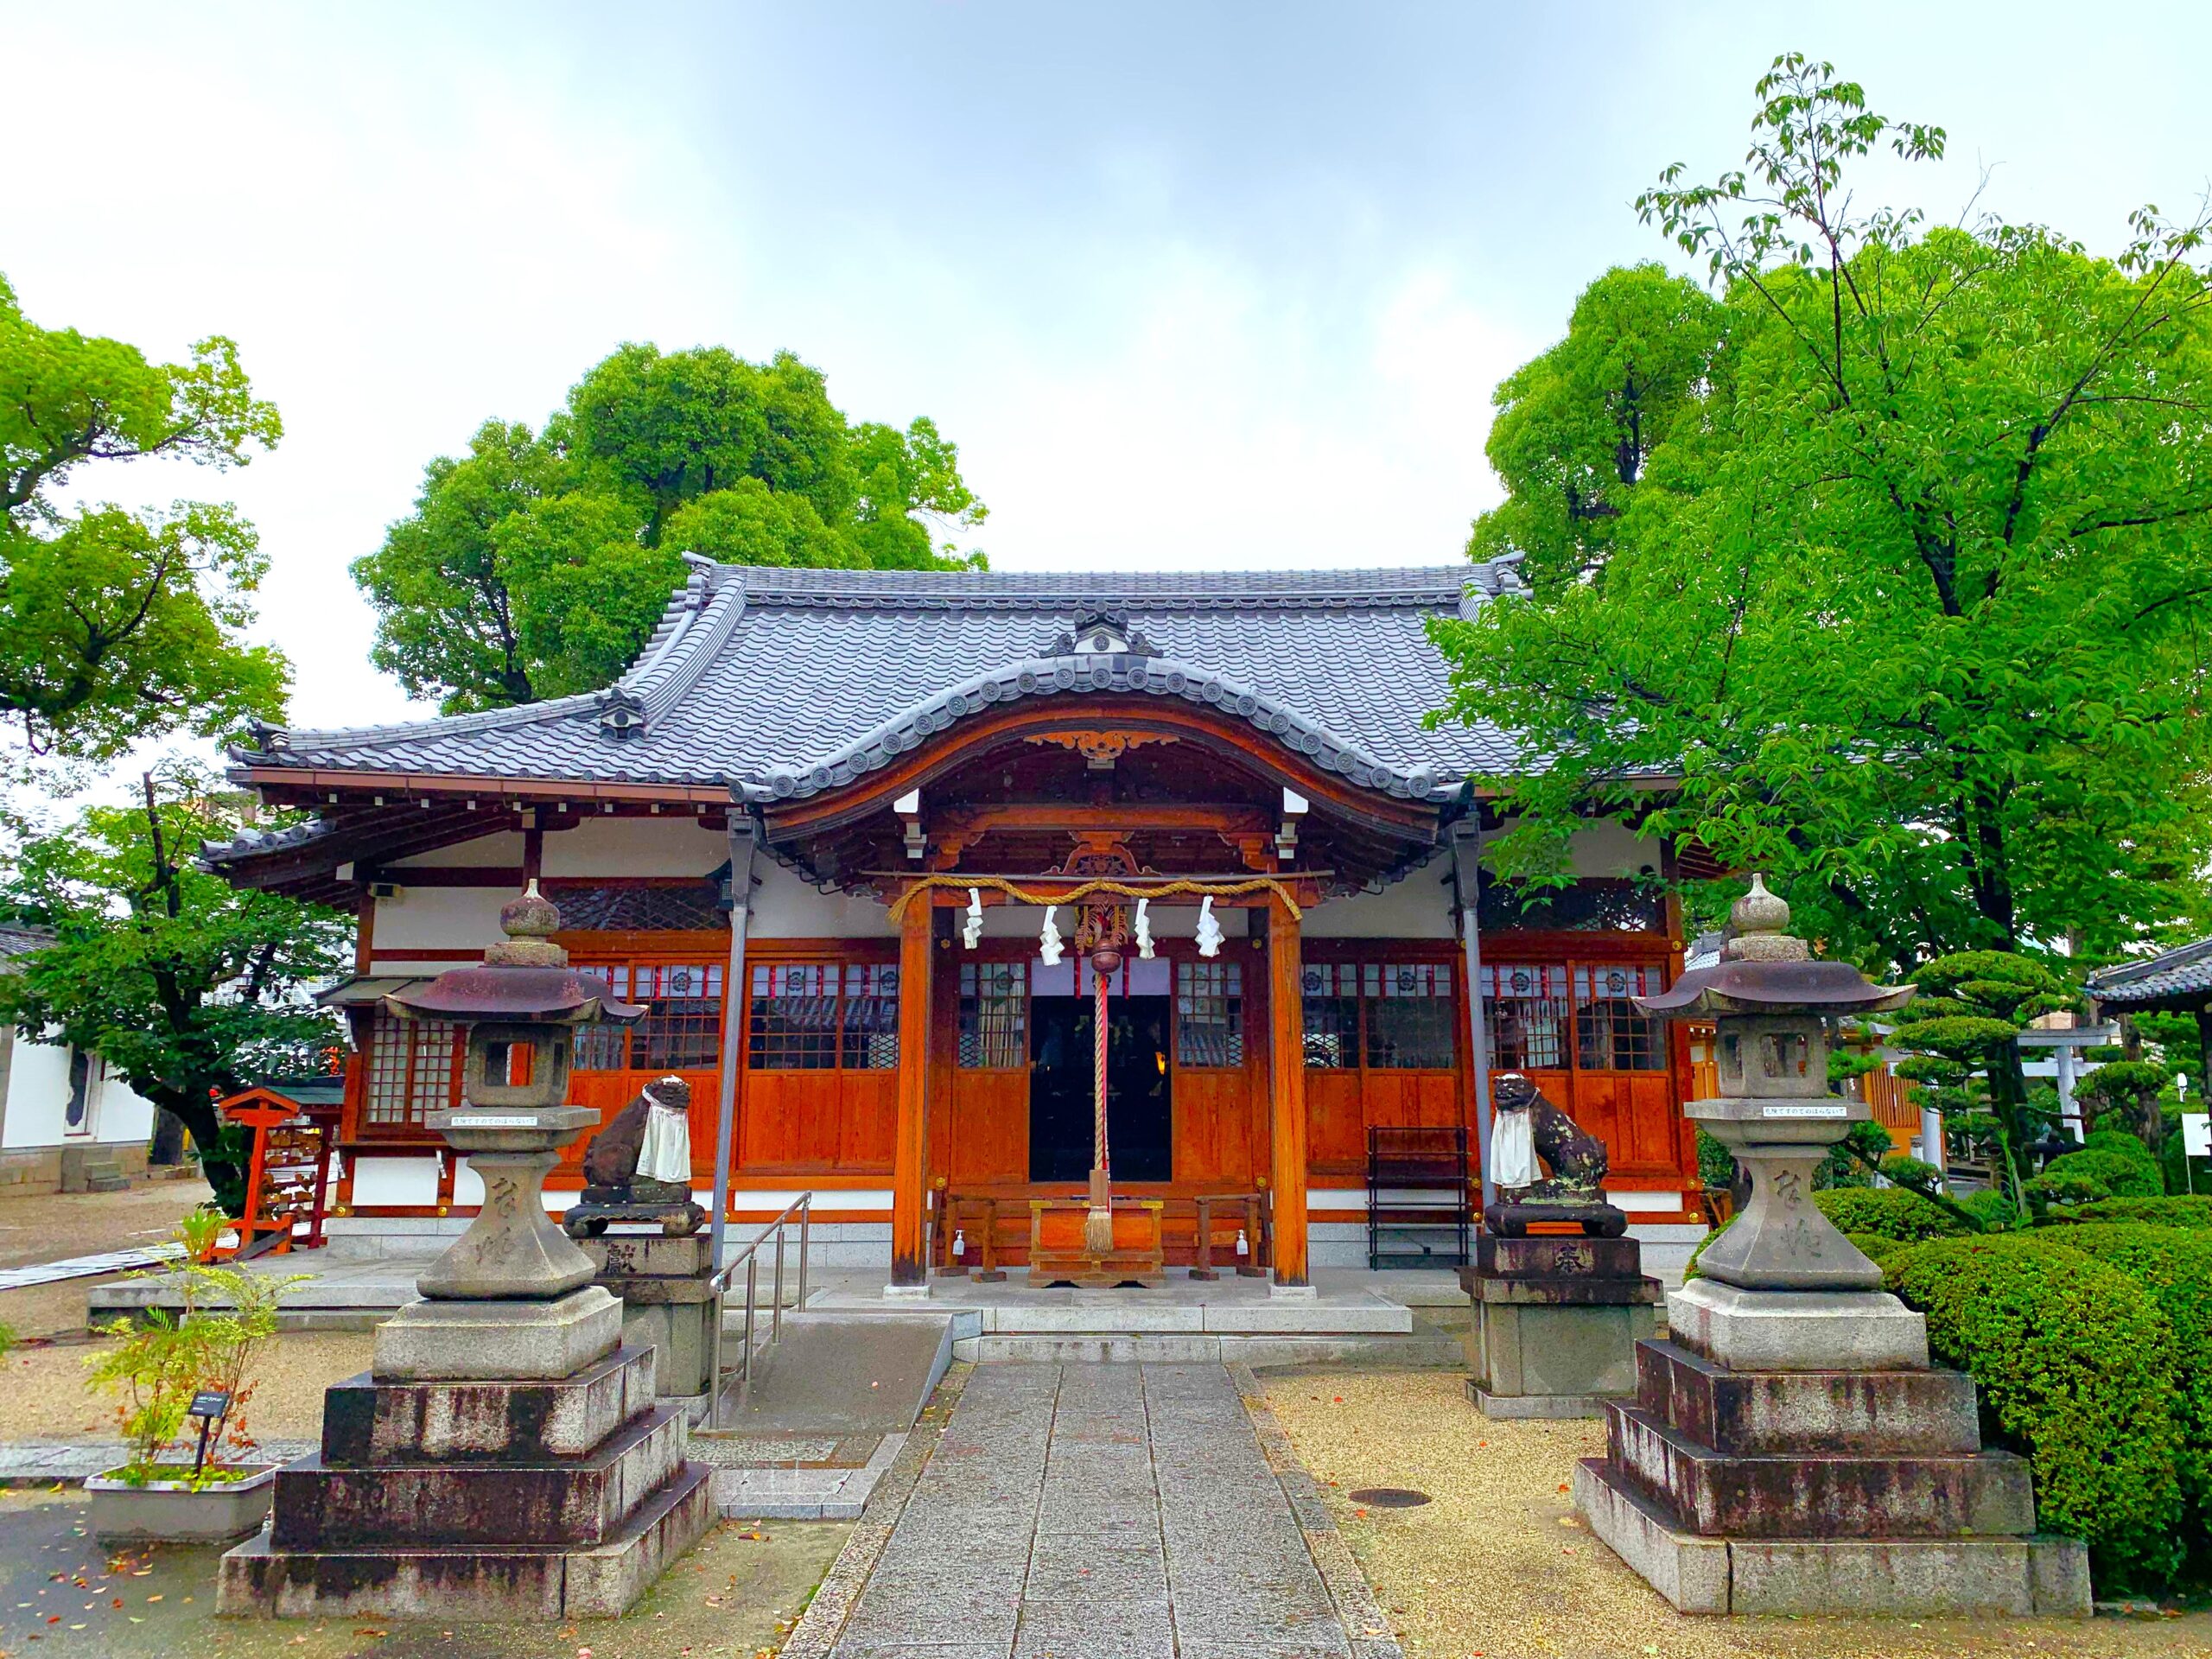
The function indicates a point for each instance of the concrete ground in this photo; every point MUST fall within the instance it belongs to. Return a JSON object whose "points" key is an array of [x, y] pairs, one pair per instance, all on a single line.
{"points": [[1497, 1565], [733, 1597]]}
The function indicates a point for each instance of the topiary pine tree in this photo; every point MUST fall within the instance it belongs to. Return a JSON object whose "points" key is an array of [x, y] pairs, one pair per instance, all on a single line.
{"points": [[1962, 1037]]}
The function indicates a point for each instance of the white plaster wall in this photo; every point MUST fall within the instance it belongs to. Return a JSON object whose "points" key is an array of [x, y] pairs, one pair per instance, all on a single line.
{"points": [[1608, 849], [786, 907], [493, 851], [396, 1180], [1419, 908], [668, 845], [38, 1102], [421, 918]]}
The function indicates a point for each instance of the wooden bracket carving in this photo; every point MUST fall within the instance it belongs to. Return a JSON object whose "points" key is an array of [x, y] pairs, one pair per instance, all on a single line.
{"points": [[1100, 750]]}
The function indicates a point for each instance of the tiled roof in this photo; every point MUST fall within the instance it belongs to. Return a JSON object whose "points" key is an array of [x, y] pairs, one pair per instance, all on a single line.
{"points": [[17, 938], [2184, 971], [784, 683]]}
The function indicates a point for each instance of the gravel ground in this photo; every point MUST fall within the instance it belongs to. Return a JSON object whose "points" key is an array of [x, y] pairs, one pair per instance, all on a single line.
{"points": [[43, 1395], [735, 1596], [1498, 1566], [55, 1225]]}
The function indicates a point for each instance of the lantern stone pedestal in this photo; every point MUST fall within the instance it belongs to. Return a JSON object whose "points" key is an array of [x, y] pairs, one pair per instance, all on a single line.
{"points": [[1790, 1449], [506, 1457], [1556, 1322]]}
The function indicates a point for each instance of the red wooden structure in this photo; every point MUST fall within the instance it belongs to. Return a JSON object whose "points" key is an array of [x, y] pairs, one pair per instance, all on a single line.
{"points": [[294, 1129]]}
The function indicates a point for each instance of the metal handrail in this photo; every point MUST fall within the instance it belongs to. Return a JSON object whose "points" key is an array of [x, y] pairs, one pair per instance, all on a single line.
{"points": [[748, 1258]]}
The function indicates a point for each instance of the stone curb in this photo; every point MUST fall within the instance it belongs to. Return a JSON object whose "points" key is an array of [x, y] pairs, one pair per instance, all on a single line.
{"points": [[40, 1463], [823, 1622], [1358, 1612]]}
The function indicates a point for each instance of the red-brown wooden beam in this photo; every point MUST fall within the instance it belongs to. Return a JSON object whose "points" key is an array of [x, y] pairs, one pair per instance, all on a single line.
{"points": [[910, 1142], [1287, 1079]]}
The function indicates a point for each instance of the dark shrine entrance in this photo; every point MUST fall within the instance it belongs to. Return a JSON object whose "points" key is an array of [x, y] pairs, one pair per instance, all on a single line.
{"points": [[1139, 1119]]}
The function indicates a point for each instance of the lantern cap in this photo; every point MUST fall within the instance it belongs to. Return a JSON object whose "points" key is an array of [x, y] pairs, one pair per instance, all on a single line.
{"points": [[1762, 969]]}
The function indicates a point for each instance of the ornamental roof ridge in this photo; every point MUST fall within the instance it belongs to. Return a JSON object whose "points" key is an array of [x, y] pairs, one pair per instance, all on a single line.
{"points": [[2185, 968], [1397, 587], [1127, 673]]}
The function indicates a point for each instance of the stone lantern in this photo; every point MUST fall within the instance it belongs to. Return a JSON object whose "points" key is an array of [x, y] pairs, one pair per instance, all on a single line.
{"points": [[1775, 1010], [505, 1456], [1790, 1449]]}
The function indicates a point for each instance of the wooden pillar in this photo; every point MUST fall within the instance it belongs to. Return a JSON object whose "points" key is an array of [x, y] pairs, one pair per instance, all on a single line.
{"points": [[909, 1160], [1286, 1076]]}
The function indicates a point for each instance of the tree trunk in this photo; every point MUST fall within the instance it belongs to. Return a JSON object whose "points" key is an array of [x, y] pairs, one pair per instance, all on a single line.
{"points": [[168, 1139], [204, 1125]]}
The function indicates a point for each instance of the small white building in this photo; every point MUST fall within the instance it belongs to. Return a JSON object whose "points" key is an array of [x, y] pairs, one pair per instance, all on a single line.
{"points": [[66, 1125]]}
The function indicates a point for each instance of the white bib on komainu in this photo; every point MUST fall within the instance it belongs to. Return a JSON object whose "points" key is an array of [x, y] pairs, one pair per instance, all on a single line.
{"points": [[1513, 1149], [664, 1155]]}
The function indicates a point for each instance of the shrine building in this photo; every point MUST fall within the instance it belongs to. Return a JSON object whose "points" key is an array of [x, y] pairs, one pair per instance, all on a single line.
{"points": [[817, 829]]}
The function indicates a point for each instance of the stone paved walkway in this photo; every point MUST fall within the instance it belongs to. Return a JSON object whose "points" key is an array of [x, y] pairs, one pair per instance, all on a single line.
{"points": [[1109, 1511]]}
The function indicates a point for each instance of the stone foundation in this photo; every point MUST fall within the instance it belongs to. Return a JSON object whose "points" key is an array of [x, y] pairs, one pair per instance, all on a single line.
{"points": [[1789, 1489], [1555, 1323], [558, 1498], [668, 1301]]}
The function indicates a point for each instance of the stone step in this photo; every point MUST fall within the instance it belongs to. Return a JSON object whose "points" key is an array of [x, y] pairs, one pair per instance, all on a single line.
{"points": [[1885, 1577], [1873, 1496], [570, 1502], [1412, 1351], [367, 1423], [117, 1182], [1753, 1413], [477, 1584]]}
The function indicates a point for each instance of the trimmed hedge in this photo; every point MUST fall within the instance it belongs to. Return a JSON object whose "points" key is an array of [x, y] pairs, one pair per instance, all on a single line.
{"points": [[2074, 1364], [2173, 1267], [2121, 1175], [1893, 1213], [2179, 1212]]}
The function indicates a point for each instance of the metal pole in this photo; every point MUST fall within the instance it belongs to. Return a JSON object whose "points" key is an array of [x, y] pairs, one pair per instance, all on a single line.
{"points": [[751, 1294], [742, 839], [776, 1307], [1466, 849], [805, 1220]]}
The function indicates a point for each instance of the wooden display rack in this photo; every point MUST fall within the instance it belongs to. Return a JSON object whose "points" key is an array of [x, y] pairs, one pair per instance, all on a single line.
{"points": [[288, 1174], [1056, 1255]]}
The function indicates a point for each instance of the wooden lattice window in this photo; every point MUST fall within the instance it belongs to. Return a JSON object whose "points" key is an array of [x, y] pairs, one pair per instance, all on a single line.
{"points": [[811, 1016], [1526, 1011], [682, 1030], [994, 1015], [413, 1070], [1331, 1000], [1408, 1007], [1209, 1014], [1611, 1034]]}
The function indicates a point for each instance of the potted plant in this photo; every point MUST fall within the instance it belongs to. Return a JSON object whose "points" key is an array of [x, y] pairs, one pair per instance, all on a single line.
{"points": [[183, 1380]]}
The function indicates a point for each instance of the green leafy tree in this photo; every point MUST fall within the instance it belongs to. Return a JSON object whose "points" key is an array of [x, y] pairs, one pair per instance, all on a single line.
{"points": [[118, 623], [537, 565], [1896, 551], [1961, 1037], [188, 987]]}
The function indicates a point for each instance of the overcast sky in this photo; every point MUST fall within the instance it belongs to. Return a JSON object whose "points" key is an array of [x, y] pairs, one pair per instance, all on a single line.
{"points": [[1190, 285]]}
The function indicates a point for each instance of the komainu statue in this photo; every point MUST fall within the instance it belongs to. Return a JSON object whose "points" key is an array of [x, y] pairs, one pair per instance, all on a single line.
{"points": [[1525, 1127], [639, 1168]]}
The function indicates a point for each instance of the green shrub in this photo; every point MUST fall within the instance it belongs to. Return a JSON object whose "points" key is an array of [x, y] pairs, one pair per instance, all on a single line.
{"points": [[1992, 1209], [1903, 1167], [2173, 1266], [1716, 1164], [2122, 1176], [2062, 1189], [1879, 1247], [2075, 1366], [1892, 1211], [1690, 1268], [2179, 1212], [2125, 1143]]}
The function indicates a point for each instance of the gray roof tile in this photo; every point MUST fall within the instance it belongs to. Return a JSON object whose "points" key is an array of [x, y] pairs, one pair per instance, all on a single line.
{"points": [[2185, 970], [784, 683]]}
